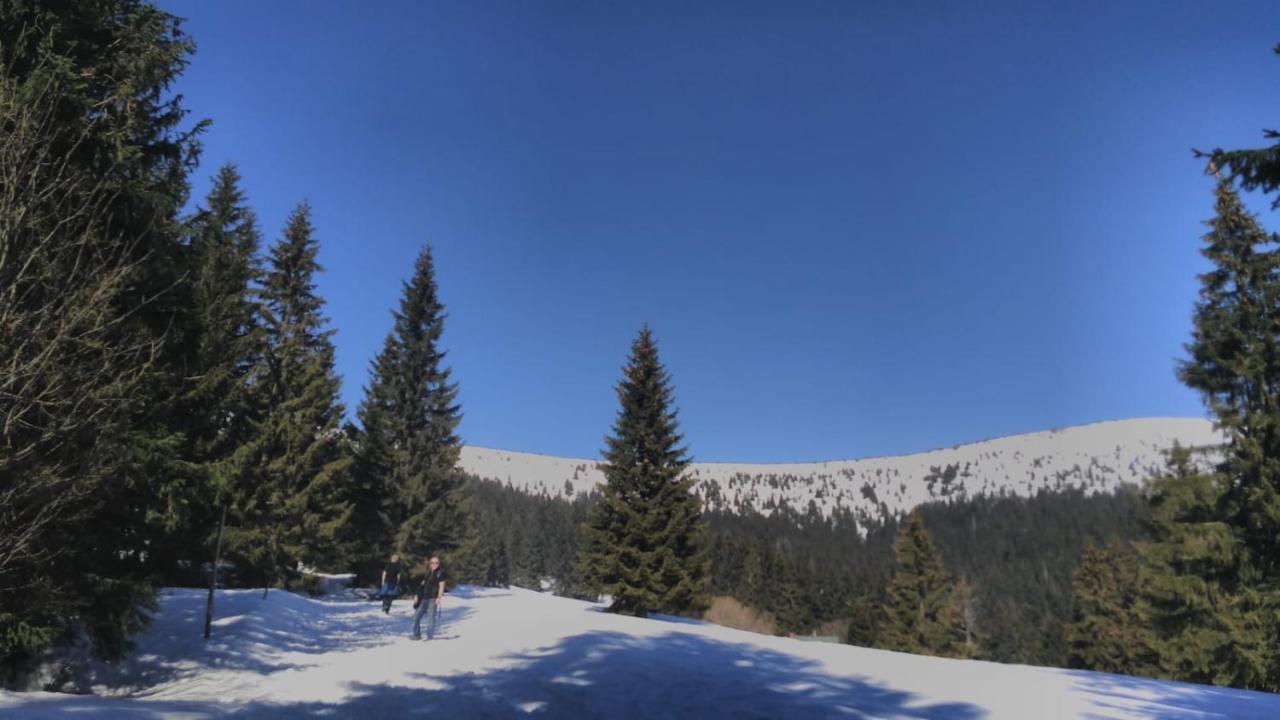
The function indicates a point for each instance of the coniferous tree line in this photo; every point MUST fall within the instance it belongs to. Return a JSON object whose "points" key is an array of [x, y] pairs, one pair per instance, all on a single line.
{"points": [[93, 166], [159, 369], [1009, 562], [802, 569], [160, 372], [1018, 556], [527, 540]]}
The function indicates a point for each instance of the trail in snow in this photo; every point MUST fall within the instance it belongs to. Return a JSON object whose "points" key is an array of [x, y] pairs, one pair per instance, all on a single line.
{"points": [[515, 653]]}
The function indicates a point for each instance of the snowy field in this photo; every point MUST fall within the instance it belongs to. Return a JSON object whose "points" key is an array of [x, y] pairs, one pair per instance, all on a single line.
{"points": [[516, 653]]}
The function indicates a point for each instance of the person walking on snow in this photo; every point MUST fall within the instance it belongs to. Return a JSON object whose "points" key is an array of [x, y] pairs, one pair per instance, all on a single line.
{"points": [[430, 595], [390, 582]]}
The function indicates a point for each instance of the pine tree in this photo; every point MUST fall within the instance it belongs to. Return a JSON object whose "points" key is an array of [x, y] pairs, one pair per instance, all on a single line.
{"points": [[644, 543], [95, 163], [1107, 633], [300, 504], [410, 483], [920, 612]]}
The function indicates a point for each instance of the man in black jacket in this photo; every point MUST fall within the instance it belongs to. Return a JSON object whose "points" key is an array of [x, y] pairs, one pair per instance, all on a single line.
{"points": [[430, 596], [390, 583]]}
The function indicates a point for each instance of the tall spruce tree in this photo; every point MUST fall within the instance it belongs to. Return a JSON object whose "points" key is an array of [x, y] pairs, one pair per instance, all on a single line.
{"points": [[644, 542], [300, 504], [95, 162], [221, 403], [921, 614], [1235, 364], [411, 488]]}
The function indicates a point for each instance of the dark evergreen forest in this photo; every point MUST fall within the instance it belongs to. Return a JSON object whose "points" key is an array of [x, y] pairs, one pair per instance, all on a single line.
{"points": [[807, 571]]}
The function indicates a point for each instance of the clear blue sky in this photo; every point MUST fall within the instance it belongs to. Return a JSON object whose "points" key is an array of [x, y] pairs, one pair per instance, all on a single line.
{"points": [[856, 228]]}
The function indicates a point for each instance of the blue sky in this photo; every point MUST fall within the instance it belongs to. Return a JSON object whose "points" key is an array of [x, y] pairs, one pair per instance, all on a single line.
{"points": [[856, 228]]}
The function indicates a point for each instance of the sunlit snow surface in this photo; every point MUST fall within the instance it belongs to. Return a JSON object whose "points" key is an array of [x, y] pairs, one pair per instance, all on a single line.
{"points": [[518, 653]]}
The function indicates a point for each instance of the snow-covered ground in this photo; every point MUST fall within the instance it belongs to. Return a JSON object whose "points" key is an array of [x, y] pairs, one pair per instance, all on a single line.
{"points": [[515, 653], [1096, 458]]}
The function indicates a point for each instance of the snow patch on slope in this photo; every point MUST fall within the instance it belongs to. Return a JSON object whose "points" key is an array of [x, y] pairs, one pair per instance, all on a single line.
{"points": [[1095, 458]]}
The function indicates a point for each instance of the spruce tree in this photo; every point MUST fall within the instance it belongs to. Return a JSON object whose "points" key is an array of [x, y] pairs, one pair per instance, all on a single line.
{"points": [[1204, 624], [220, 404], [410, 485], [95, 161], [865, 617], [300, 504], [644, 545], [1235, 364], [1106, 633], [920, 611], [1256, 169]]}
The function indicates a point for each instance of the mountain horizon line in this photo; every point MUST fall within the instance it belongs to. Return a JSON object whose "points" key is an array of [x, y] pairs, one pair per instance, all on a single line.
{"points": [[887, 456]]}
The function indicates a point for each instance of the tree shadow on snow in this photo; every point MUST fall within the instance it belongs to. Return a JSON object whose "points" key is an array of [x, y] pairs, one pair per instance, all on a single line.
{"points": [[473, 591], [150, 670], [615, 675], [250, 635], [1165, 700]]}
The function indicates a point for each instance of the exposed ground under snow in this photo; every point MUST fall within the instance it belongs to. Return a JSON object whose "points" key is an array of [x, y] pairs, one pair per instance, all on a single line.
{"points": [[514, 653]]}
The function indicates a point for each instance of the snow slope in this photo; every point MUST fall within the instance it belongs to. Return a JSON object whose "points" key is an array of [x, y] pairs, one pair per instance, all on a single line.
{"points": [[1097, 458], [515, 653]]}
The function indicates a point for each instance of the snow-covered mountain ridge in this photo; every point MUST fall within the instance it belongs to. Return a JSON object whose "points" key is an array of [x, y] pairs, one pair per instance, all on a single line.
{"points": [[1099, 457]]}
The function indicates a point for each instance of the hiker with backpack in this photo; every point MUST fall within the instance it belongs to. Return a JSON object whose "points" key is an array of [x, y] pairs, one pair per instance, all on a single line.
{"points": [[430, 596]]}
